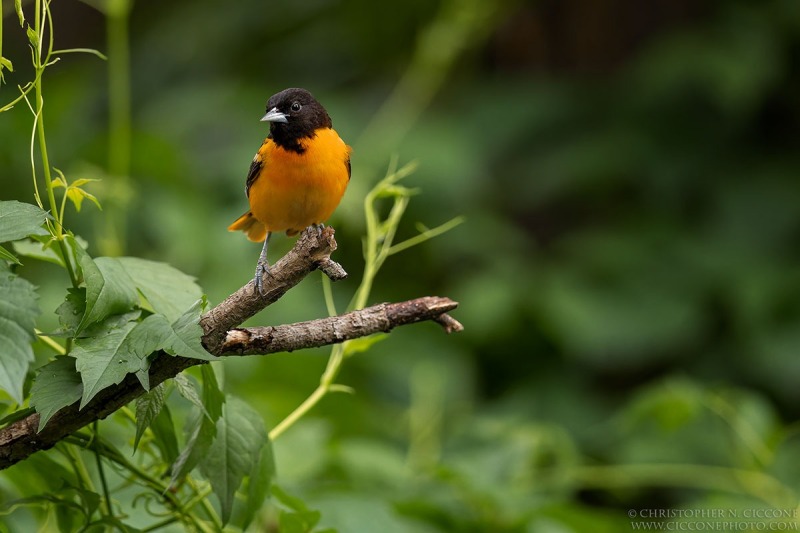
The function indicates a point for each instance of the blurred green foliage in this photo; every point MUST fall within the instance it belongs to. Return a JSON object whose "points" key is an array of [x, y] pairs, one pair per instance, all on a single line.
{"points": [[627, 274]]}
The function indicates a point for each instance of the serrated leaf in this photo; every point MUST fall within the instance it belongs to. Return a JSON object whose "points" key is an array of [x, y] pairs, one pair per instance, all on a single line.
{"points": [[72, 309], [109, 289], [148, 406], [105, 361], [8, 256], [187, 334], [234, 452], [98, 329], [143, 376], [56, 386], [168, 290], [187, 389], [18, 312], [18, 220], [197, 444], [203, 433]]}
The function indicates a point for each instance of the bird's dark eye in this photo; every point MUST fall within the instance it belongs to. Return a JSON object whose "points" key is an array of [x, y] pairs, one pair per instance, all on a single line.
{"points": [[296, 106]]}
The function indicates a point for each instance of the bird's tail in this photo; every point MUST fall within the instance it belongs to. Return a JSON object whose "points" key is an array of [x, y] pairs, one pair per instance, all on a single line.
{"points": [[247, 223]]}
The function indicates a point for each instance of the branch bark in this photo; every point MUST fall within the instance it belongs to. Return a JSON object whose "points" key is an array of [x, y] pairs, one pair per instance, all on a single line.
{"points": [[221, 337]]}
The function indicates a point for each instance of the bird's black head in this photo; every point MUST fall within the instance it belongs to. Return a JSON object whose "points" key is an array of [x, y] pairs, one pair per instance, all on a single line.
{"points": [[293, 115]]}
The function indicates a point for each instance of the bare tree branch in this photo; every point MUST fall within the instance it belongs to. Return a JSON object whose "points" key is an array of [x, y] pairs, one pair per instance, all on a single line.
{"points": [[323, 331], [221, 337], [310, 251]]}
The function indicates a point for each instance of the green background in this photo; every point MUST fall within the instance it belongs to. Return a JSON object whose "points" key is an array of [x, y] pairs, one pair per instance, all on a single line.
{"points": [[627, 273]]}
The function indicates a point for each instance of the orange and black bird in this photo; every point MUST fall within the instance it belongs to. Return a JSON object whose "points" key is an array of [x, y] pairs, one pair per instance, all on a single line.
{"points": [[299, 174]]}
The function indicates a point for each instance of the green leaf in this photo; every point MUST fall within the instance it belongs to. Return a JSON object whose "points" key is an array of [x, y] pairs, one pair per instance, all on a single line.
{"points": [[65, 518], [8, 256], [56, 386], [37, 250], [299, 522], [33, 36], [259, 484], [292, 502], [187, 334], [18, 220], [72, 310], [203, 434], [105, 361], [6, 63], [109, 289], [18, 312], [235, 452], [77, 195], [143, 375], [20, 14], [44, 248], [164, 432], [197, 444], [168, 290], [148, 407], [301, 519], [188, 390], [363, 344], [99, 329], [213, 398]]}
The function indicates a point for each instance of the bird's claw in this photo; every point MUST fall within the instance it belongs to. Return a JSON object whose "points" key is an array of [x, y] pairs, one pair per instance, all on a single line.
{"points": [[262, 269]]}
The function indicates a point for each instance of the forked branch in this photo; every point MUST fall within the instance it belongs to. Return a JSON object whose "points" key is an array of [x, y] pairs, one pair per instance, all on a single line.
{"points": [[221, 337]]}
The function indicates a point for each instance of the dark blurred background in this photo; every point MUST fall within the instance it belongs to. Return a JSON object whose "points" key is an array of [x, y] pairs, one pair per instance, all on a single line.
{"points": [[627, 273]]}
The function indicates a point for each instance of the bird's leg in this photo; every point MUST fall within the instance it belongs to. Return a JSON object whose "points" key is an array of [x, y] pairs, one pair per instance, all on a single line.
{"points": [[262, 267], [319, 227]]}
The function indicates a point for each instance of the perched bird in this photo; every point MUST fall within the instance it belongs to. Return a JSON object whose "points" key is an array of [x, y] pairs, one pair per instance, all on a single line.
{"points": [[299, 174]]}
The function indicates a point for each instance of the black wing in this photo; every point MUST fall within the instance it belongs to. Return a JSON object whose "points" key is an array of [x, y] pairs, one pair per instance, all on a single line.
{"points": [[255, 170]]}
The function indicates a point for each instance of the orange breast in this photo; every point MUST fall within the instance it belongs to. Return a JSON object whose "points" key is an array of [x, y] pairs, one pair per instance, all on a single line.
{"points": [[293, 190]]}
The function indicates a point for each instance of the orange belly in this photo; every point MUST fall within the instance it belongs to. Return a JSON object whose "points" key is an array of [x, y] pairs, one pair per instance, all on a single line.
{"points": [[294, 191]]}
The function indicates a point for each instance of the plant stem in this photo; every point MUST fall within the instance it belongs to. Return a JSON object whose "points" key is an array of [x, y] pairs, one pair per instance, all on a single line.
{"points": [[301, 410], [159, 525], [377, 247], [206, 505], [79, 467], [40, 65], [102, 474], [149, 481], [50, 342], [119, 122]]}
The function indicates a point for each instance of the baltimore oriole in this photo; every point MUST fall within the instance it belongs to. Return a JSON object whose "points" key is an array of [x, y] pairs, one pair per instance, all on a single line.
{"points": [[299, 174]]}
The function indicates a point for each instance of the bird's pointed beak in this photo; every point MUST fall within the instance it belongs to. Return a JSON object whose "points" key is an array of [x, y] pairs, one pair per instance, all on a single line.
{"points": [[273, 115]]}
